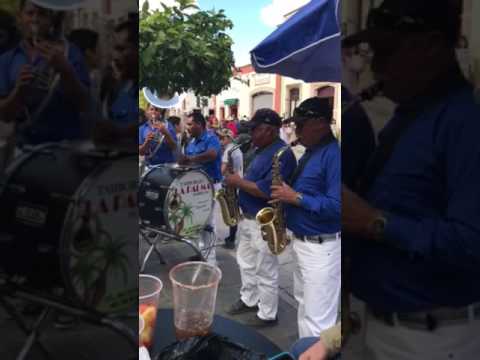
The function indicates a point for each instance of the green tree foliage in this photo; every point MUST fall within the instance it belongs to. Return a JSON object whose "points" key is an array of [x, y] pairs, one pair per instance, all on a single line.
{"points": [[182, 50], [9, 5]]}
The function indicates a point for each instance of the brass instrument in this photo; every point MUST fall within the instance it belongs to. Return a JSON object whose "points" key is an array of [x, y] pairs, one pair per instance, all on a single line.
{"points": [[271, 219], [227, 196]]}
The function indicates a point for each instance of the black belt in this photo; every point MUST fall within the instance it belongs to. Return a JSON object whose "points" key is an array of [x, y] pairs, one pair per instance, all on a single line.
{"points": [[428, 320], [316, 238]]}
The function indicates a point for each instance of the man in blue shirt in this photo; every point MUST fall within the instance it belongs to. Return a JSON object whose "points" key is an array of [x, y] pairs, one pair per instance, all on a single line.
{"points": [[415, 249], [119, 125], [155, 153], [313, 208], [258, 266], [205, 150], [43, 81]]}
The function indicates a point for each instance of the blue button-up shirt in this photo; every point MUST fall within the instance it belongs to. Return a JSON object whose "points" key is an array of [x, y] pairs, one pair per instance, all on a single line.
{"points": [[164, 154], [124, 108], [320, 184], [208, 140], [59, 120], [260, 172], [430, 189]]}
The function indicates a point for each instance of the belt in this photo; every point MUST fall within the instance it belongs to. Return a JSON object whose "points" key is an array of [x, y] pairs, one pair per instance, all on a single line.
{"points": [[428, 320], [319, 239]]}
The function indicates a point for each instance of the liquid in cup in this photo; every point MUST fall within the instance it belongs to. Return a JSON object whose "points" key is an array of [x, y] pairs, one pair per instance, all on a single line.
{"points": [[149, 291], [194, 286]]}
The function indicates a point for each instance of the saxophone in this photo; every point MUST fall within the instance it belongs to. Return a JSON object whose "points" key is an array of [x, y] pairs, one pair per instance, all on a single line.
{"points": [[271, 219], [227, 196]]}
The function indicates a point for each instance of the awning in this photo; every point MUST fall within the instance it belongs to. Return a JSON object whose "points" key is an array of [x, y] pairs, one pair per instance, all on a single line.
{"points": [[306, 46], [230, 102]]}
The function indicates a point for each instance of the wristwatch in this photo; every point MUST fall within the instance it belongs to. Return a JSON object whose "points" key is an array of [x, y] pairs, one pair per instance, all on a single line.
{"points": [[377, 227], [299, 198]]}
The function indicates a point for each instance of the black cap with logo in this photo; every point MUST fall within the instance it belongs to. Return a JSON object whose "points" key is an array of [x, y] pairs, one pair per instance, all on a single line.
{"points": [[314, 108], [265, 116]]}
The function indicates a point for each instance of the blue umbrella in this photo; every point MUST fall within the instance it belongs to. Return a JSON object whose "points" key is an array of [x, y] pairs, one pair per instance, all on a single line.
{"points": [[307, 46]]}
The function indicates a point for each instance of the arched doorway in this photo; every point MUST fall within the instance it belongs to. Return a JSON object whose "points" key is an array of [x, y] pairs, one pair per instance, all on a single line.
{"points": [[263, 99]]}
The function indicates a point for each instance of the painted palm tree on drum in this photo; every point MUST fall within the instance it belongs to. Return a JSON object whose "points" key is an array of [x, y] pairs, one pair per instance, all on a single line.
{"points": [[93, 267]]}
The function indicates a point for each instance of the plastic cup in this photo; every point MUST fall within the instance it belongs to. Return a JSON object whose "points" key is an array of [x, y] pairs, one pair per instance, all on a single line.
{"points": [[141, 326], [194, 286], [149, 291]]}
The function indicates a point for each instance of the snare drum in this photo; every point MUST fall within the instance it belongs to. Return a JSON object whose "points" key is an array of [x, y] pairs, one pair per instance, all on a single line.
{"points": [[70, 221], [176, 199]]}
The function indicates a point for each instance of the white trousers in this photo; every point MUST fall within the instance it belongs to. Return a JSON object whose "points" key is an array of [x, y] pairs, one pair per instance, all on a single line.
{"points": [[317, 285], [451, 342], [258, 270]]}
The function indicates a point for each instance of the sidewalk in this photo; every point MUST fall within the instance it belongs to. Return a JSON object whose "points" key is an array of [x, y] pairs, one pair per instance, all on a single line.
{"points": [[283, 335]]}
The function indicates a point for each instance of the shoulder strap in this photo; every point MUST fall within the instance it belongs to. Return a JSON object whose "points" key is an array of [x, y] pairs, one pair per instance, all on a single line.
{"points": [[304, 160], [387, 141]]}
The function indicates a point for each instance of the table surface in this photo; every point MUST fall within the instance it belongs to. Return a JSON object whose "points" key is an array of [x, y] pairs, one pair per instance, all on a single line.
{"points": [[233, 330]]}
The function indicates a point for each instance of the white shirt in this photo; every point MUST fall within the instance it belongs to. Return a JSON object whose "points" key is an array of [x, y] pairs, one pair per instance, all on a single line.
{"points": [[237, 159]]}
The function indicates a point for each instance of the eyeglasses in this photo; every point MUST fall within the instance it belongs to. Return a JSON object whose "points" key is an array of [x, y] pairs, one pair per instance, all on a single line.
{"points": [[301, 114]]}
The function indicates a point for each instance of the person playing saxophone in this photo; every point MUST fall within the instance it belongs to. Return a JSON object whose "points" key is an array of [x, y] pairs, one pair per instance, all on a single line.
{"points": [[313, 208], [258, 266]]}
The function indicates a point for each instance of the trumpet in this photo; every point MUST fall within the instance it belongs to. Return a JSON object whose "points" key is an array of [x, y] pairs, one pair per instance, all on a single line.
{"points": [[366, 94]]}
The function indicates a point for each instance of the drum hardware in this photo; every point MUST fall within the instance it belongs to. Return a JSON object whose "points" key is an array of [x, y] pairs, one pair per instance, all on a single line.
{"points": [[12, 291], [146, 231]]}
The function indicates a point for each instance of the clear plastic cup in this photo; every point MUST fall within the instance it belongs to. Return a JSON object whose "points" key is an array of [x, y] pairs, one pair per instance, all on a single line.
{"points": [[141, 326], [195, 286], [149, 291]]}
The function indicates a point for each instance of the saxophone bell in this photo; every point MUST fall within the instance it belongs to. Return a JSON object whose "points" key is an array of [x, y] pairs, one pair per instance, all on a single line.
{"points": [[227, 196], [272, 219]]}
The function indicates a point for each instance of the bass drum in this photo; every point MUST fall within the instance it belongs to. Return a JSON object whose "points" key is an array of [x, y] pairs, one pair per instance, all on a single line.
{"points": [[176, 199], [70, 222]]}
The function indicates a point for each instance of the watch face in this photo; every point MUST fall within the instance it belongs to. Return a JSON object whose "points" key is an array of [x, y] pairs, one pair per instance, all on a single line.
{"points": [[378, 228]]}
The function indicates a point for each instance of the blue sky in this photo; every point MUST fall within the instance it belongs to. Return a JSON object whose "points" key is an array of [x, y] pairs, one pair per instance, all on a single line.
{"points": [[248, 30]]}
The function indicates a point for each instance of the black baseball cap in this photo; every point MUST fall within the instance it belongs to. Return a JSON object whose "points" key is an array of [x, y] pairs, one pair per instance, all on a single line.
{"points": [[265, 116], [410, 16], [314, 108]]}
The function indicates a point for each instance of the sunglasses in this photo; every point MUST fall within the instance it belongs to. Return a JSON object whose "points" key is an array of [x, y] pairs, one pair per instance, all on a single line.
{"points": [[301, 114]]}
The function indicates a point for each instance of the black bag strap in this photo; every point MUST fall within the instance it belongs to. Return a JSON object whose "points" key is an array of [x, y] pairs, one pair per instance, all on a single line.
{"points": [[304, 160]]}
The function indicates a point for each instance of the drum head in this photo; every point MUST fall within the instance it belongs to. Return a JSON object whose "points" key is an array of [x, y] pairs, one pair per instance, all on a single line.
{"points": [[100, 241], [189, 203]]}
